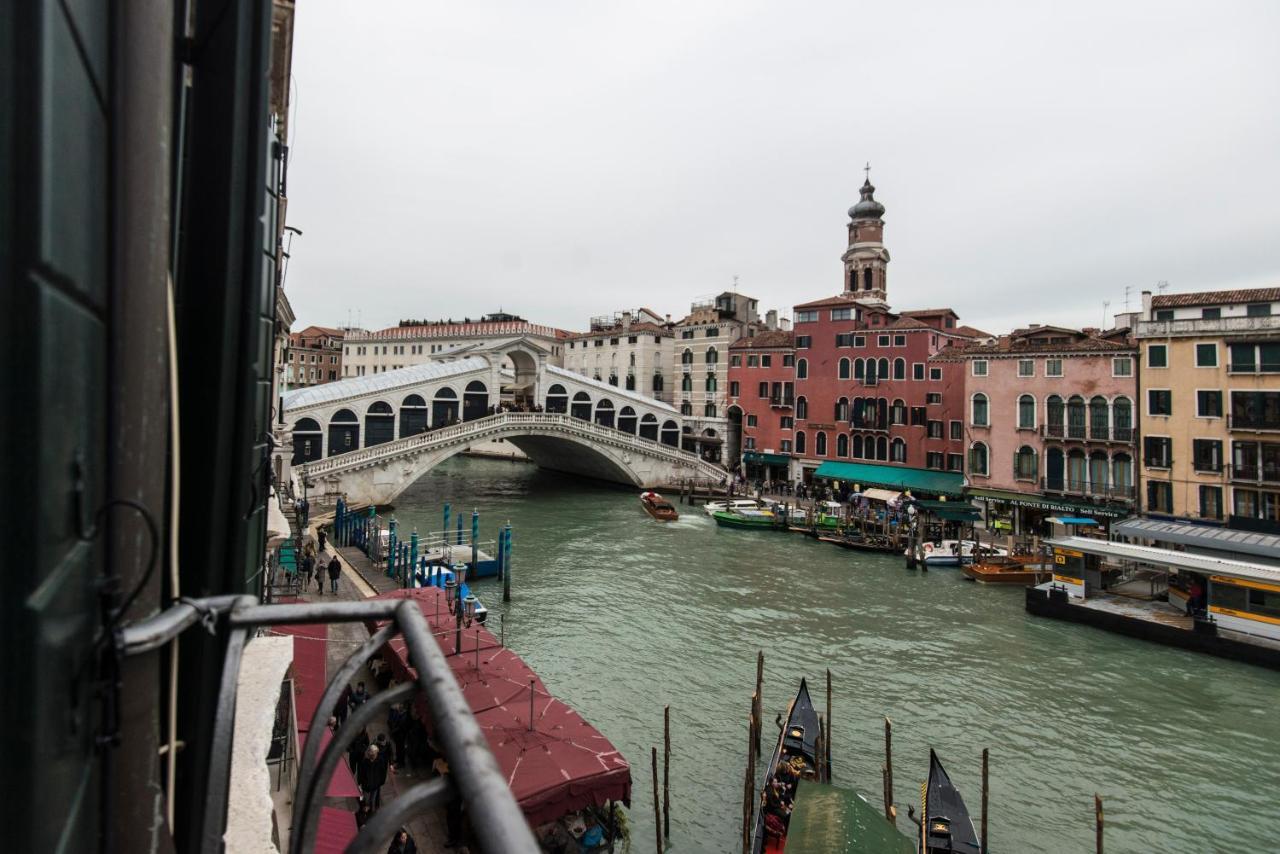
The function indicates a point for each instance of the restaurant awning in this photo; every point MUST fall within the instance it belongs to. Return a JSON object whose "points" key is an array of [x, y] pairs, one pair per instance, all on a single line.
{"points": [[1054, 504], [901, 478], [885, 495], [766, 459], [1202, 536], [1072, 520]]}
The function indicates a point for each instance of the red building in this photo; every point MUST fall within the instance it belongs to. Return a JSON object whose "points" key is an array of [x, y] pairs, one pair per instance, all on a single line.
{"points": [[865, 390], [761, 404]]}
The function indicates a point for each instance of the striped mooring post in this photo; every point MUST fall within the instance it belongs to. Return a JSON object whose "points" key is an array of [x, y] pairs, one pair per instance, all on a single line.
{"points": [[475, 542], [392, 551], [506, 565], [445, 529], [411, 579]]}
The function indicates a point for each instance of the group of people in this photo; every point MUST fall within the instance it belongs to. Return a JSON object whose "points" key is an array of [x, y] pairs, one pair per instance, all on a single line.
{"points": [[780, 793], [302, 509], [498, 408], [314, 567]]}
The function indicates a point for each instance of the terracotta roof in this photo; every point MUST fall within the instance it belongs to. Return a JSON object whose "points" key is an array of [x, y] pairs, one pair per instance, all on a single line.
{"points": [[928, 312], [1216, 298], [1013, 346], [907, 323], [968, 332], [312, 331], [767, 338], [617, 331], [838, 299]]}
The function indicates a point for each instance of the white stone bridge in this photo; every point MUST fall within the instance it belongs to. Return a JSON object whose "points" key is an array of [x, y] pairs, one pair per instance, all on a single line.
{"points": [[370, 437]]}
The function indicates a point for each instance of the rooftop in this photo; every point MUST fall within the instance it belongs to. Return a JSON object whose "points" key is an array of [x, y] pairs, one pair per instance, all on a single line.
{"points": [[301, 398], [615, 331], [767, 338], [1216, 298]]}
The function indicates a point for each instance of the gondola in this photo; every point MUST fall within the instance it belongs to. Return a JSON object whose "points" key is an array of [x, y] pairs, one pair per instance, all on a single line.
{"points": [[798, 738], [857, 542], [658, 507], [945, 826]]}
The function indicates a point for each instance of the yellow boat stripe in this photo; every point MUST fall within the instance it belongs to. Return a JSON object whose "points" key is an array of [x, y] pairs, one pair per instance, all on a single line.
{"points": [[1240, 582], [1244, 615]]}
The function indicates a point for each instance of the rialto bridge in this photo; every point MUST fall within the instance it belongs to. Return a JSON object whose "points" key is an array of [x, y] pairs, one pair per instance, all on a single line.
{"points": [[372, 436]]}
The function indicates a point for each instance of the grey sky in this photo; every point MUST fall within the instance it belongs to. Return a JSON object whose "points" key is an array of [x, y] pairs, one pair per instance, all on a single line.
{"points": [[563, 160]]}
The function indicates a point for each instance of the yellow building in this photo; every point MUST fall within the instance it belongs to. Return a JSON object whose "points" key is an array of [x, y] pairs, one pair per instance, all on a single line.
{"points": [[1209, 392]]}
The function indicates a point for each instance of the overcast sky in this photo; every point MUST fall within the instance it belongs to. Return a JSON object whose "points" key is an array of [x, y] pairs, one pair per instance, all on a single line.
{"points": [[563, 160]]}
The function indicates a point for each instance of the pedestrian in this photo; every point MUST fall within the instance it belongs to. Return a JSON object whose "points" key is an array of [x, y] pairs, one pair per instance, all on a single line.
{"points": [[453, 809], [371, 774], [320, 535], [384, 747], [308, 567], [343, 705], [306, 512], [357, 748], [398, 724], [403, 844], [335, 569], [359, 696]]}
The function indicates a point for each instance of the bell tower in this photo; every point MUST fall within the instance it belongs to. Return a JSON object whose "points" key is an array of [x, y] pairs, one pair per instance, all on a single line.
{"points": [[866, 260]]}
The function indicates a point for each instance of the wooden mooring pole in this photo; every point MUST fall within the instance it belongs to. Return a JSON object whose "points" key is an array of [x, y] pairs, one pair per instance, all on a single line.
{"points": [[657, 805], [1097, 817], [758, 706], [666, 772], [985, 752], [827, 742], [888, 768], [749, 788]]}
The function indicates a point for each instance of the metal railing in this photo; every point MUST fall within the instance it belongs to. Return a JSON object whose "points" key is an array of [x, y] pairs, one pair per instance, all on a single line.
{"points": [[1254, 473], [1257, 425], [496, 819], [782, 400], [1087, 433], [1068, 486], [502, 424]]}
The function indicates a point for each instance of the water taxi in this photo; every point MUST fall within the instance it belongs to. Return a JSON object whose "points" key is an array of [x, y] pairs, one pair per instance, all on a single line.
{"points": [[957, 552], [658, 507], [713, 507], [746, 518], [1001, 569], [945, 825]]}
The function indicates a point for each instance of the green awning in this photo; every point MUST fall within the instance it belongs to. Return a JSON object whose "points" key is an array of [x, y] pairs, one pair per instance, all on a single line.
{"points": [[766, 459], [898, 477], [952, 511], [1053, 503], [830, 820]]}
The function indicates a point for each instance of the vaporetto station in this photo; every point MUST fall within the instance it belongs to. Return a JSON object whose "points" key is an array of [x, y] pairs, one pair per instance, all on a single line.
{"points": [[370, 437]]}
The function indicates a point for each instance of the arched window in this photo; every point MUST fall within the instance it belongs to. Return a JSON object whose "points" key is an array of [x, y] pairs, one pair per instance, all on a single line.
{"points": [[631, 382], [581, 407], [306, 440], [1122, 475], [1054, 413], [1099, 420], [820, 443], [604, 412], [475, 401], [1122, 415], [858, 417], [980, 416], [1075, 417], [1024, 463], [627, 420], [686, 358], [686, 408], [899, 369], [709, 410], [870, 378], [557, 399], [1054, 470], [866, 279], [686, 382], [856, 449], [802, 369], [802, 408], [649, 427], [978, 459], [800, 442], [882, 369], [444, 407], [711, 382], [344, 432], [1077, 469], [844, 368], [1098, 469], [379, 423], [1026, 412], [712, 356], [413, 416], [858, 369], [898, 412], [882, 448], [842, 409], [657, 382], [882, 415], [898, 451], [842, 445]]}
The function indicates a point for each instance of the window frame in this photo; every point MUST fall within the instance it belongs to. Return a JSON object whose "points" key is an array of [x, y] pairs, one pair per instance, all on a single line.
{"points": [[986, 368], [1214, 348], [1163, 349]]}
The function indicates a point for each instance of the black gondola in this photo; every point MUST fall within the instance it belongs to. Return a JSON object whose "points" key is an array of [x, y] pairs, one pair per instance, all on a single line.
{"points": [[798, 738], [945, 826]]}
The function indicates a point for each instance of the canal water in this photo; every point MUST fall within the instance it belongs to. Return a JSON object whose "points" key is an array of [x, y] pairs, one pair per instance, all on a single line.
{"points": [[622, 615]]}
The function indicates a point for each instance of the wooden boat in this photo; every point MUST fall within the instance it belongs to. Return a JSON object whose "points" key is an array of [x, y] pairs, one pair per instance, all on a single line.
{"points": [[798, 739], [854, 540], [743, 518], [1001, 569], [945, 826], [658, 507]]}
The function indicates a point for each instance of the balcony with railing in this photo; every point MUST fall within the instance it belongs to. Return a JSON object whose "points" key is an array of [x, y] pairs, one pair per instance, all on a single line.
{"points": [[1192, 327], [1087, 433], [783, 401], [1254, 473], [1245, 423], [1085, 489]]}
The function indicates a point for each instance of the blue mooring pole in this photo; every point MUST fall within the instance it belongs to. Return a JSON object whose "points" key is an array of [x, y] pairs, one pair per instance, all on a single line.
{"points": [[506, 567], [475, 543], [413, 557], [502, 539], [459, 529], [446, 524], [392, 550]]}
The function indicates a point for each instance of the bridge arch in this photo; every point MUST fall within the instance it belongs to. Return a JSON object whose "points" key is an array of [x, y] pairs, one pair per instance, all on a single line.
{"points": [[627, 420], [581, 407], [557, 399], [414, 415], [605, 412], [344, 432], [444, 407], [475, 400], [308, 440], [379, 423], [671, 433], [649, 427]]}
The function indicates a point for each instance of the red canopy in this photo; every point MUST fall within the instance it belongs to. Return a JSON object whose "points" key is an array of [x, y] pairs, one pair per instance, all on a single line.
{"points": [[562, 763], [337, 829]]}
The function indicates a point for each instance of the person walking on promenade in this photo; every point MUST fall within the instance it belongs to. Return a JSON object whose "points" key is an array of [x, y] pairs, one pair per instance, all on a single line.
{"points": [[335, 569], [320, 535], [371, 775], [308, 567], [403, 844]]}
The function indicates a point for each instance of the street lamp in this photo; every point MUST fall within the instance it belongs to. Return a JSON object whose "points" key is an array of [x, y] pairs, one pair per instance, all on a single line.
{"points": [[463, 610]]}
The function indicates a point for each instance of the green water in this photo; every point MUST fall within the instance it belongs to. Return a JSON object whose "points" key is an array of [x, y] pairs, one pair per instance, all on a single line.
{"points": [[621, 615]]}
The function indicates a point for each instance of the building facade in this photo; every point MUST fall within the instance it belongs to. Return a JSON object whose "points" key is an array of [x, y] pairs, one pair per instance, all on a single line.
{"points": [[630, 349], [314, 356], [1209, 386], [415, 342], [1048, 419], [761, 405]]}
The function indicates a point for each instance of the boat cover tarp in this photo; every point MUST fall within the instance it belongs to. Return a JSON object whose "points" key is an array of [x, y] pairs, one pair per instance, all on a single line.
{"points": [[897, 477], [830, 820], [562, 763]]}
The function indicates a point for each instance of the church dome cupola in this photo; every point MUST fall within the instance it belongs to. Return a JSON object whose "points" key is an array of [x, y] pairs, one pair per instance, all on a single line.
{"points": [[867, 207]]}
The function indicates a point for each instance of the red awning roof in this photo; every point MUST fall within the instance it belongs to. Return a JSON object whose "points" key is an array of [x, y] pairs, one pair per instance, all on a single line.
{"points": [[309, 651], [562, 763], [337, 829]]}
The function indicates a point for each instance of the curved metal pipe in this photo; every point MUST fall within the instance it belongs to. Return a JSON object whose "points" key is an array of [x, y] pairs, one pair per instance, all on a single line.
{"points": [[374, 836]]}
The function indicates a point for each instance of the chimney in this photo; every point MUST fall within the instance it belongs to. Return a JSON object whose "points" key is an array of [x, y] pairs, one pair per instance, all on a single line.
{"points": [[1146, 305], [771, 319], [626, 321]]}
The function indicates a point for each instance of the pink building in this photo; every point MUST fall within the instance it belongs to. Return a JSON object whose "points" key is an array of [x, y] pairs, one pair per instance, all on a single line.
{"points": [[1048, 422]]}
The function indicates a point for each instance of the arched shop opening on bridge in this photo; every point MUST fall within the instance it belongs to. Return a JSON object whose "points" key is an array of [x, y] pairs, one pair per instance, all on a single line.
{"points": [[379, 423], [307, 441], [344, 432], [475, 401], [604, 412], [671, 434], [557, 399], [627, 420], [649, 427], [413, 416], [444, 407], [581, 407]]}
